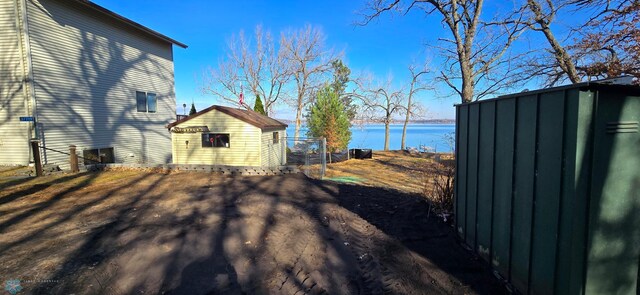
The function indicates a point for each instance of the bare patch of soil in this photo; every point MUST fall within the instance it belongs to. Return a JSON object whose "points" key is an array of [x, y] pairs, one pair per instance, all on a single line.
{"points": [[125, 232]]}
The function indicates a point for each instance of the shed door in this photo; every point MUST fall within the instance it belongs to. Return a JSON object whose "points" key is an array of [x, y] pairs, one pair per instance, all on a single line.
{"points": [[614, 222]]}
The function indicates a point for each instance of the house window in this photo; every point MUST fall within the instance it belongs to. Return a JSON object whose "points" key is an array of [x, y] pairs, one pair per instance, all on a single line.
{"points": [[146, 102], [152, 102], [215, 140], [95, 156], [276, 137], [141, 101]]}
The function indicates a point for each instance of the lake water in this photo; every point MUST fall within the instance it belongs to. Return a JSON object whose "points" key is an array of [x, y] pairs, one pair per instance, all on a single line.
{"points": [[371, 136]]}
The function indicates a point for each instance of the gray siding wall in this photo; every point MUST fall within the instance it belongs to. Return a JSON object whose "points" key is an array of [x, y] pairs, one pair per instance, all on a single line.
{"points": [[14, 135], [86, 71]]}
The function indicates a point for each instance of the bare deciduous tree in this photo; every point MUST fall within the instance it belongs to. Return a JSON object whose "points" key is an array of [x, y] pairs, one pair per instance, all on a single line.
{"points": [[562, 64], [604, 45], [308, 60], [259, 69], [609, 42], [474, 66], [379, 102], [416, 85]]}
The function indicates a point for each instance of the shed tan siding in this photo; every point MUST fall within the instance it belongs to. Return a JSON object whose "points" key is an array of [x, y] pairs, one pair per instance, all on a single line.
{"points": [[244, 140], [86, 70], [14, 135], [273, 154]]}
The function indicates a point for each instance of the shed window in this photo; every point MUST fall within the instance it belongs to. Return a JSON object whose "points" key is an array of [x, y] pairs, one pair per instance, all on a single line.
{"points": [[276, 137], [95, 156], [146, 102], [215, 140]]}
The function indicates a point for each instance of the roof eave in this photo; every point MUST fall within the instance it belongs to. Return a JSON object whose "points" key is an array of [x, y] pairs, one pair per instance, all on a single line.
{"points": [[129, 22], [224, 111]]}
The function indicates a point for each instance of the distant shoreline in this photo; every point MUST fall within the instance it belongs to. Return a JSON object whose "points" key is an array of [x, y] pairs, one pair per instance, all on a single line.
{"points": [[432, 121]]}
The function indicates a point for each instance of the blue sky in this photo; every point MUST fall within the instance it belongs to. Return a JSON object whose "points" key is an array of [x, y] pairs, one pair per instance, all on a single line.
{"points": [[386, 46]]}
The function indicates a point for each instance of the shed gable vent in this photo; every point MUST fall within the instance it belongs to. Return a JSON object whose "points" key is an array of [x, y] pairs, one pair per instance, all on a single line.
{"points": [[623, 127]]}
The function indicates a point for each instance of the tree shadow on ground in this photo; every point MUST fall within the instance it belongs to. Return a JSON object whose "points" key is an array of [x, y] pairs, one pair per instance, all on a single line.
{"points": [[197, 233], [408, 219]]}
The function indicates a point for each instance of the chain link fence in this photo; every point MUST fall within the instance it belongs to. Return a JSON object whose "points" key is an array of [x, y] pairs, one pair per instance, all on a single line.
{"points": [[309, 154]]}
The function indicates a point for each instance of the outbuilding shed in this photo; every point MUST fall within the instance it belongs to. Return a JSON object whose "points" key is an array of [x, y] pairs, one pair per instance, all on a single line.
{"points": [[228, 136], [548, 187]]}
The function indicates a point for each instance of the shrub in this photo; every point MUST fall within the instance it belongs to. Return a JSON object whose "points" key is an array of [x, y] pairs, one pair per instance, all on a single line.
{"points": [[438, 187]]}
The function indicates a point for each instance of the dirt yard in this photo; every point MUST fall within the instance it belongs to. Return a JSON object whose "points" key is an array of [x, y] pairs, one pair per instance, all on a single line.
{"points": [[132, 232]]}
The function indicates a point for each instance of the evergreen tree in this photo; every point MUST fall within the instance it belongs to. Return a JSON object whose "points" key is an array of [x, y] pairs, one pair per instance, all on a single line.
{"points": [[328, 118], [193, 109], [341, 75], [258, 107]]}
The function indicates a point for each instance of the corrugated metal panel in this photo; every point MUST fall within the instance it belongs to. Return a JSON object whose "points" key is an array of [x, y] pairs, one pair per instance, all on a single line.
{"points": [[14, 135], [524, 170], [485, 178], [583, 156], [614, 223], [472, 175], [547, 191], [462, 148], [573, 209], [503, 179], [244, 140], [86, 71]]}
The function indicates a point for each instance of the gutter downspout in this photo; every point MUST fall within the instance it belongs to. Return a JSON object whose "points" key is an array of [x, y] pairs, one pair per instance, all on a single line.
{"points": [[29, 64], [25, 80], [29, 80]]}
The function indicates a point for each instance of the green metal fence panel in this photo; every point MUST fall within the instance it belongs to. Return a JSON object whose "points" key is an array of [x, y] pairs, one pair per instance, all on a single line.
{"points": [[573, 206], [523, 190], [462, 122], [503, 179], [472, 175], [548, 185], [485, 178], [614, 223]]}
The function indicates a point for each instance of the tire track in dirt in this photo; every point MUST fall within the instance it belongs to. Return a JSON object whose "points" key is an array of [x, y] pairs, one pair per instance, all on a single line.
{"points": [[356, 232], [376, 260], [290, 276]]}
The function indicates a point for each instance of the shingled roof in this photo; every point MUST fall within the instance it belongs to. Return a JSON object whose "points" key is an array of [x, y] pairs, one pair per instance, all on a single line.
{"points": [[251, 117]]}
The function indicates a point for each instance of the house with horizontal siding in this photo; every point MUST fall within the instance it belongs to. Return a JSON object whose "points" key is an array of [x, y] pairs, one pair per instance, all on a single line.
{"points": [[228, 136], [87, 77]]}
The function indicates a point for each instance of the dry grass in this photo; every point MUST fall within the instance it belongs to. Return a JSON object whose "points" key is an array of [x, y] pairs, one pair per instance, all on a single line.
{"points": [[7, 172], [388, 169]]}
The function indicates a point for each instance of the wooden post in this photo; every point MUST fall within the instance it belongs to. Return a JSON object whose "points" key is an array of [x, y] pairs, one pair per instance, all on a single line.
{"points": [[36, 156], [73, 159]]}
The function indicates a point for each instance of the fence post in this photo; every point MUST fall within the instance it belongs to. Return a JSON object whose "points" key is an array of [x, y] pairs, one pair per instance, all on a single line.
{"points": [[36, 156], [324, 157], [73, 159]]}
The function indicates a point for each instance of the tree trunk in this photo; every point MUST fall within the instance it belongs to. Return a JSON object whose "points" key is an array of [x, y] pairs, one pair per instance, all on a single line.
{"points": [[404, 133], [296, 134], [406, 120], [386, 134], [467, 82], [559, 53]]}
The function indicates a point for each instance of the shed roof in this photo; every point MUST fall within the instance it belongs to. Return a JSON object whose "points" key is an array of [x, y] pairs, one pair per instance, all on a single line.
{"points": [[110, 14], [610, 84], [251, 117]]}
